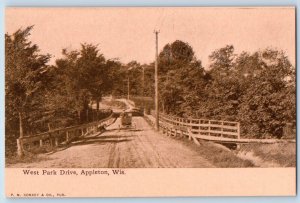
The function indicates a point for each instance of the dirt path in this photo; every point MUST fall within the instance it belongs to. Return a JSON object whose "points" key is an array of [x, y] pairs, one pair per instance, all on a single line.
{"points": [[139, 148]]}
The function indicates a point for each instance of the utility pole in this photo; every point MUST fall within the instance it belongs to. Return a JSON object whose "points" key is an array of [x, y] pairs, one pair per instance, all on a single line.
{"points": [[143, 93], [128, 88], [156, 82], [143, 81]]}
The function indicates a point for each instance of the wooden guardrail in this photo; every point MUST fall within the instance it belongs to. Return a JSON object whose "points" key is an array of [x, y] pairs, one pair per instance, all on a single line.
{"points": [[217, 128], [211, 130], [64, 135]]}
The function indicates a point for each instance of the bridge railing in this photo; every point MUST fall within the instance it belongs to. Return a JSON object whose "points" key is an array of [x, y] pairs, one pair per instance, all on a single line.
{"points": [[199, 128], [217, 128], [64, 135], [204, 129]]}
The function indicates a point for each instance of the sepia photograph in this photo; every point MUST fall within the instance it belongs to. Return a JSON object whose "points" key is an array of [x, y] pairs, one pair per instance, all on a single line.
{"points": [[96, 89]]}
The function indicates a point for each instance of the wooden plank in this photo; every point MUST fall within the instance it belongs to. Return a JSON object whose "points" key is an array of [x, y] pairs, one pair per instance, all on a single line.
{"points": [[182, 128], [26, 140], [223, 132], [186, 120], [234, 140]]}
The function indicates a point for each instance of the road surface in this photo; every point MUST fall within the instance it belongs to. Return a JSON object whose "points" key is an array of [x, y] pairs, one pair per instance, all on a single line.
{"points": [[141, 147]]}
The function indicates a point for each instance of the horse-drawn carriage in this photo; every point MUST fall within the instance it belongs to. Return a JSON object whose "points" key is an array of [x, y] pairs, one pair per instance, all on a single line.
{"points": [[126, 120]]}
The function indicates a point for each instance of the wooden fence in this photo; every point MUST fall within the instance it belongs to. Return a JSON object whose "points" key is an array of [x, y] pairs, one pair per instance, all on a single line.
{"points": [[217, 128], [211, 130], [64, 135]]}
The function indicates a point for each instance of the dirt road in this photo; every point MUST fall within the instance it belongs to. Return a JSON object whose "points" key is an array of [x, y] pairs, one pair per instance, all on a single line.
{"points": [[138, 148]]}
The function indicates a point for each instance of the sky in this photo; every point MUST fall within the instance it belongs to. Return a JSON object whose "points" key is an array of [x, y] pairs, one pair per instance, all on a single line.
{"points": [[127, 33]]}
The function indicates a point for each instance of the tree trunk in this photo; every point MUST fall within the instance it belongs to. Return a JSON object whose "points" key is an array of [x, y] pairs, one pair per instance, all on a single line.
{"points": [[19, 141], [98, 107], [98, 104], [79, 117], [87, 115], [21, 125]]}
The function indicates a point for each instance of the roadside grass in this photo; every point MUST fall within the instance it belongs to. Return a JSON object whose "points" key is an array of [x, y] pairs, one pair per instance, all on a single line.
{"points": [[278, 154], [217, 154], [27, 158]]}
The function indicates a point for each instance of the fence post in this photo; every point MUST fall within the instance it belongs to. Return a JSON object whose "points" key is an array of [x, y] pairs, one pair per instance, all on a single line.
{"points": [[238, 130], [41, 143], [51, 139], [192, 137], [56, 141], [209, 127], [238, 146], [20, 148], [222, 123], [67, 136]]}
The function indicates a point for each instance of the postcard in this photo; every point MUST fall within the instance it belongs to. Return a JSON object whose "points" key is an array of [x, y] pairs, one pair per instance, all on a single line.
{"points": [[150, 101]]}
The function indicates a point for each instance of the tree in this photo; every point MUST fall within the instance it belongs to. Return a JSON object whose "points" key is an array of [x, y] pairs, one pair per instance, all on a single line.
{"points": [[222, 59], [181, 77], [94, 71], [268, 102], [69, 89], [24, 71], [174, 56], [85, 76], [149, 80], [117, 73], [256, 89]]}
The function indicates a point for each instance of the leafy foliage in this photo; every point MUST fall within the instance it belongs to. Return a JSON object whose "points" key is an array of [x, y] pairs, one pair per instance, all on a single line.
{"points": [[25, 80], [257, 89], [41, 96]]}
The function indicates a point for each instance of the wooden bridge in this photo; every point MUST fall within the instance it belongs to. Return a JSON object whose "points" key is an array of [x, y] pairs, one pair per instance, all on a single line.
{"points": [[218, 131], [103, 144]]}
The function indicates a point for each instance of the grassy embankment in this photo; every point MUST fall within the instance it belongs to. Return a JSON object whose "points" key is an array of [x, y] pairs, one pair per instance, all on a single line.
{"points": [[249, 155], [270, 155]]}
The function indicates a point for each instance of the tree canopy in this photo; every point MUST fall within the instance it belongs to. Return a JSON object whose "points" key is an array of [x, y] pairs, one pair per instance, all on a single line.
{"points": [[257, 89]]}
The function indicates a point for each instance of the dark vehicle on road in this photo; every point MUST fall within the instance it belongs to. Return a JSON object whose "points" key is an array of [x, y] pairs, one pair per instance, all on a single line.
{"points": [[126, 119]]}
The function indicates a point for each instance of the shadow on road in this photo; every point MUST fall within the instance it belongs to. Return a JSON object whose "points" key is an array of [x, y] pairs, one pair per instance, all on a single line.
{"points": [[101, 141], [95, 140]]}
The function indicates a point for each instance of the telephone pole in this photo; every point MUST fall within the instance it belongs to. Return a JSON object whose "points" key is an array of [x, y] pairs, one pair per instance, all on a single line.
{"points": [[128, 85], [156, 82], [143, 89], [128, 88], [143, 93]]}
